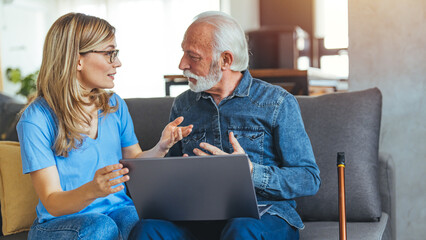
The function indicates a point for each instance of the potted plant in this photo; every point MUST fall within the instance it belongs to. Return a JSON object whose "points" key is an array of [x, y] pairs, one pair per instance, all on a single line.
{"points": [[28, 82]]}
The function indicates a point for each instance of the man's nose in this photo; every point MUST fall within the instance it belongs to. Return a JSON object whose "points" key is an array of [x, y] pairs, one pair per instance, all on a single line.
{"points": [[183, 65]]}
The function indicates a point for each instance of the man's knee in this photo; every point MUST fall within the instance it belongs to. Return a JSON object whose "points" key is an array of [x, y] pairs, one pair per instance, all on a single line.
{"points": [[149, 227], [155, 229], [269, 227], [242, 228]]}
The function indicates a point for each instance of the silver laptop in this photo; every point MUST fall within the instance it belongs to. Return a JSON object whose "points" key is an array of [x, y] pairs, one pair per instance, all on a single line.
{"points": [[192, 188]]}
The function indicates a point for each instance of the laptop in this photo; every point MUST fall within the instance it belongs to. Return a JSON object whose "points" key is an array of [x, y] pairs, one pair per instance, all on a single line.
{"points": [[198, 188]]}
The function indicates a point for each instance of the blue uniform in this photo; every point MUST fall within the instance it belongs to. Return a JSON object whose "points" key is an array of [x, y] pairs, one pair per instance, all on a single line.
{"points": [[37, 130]]}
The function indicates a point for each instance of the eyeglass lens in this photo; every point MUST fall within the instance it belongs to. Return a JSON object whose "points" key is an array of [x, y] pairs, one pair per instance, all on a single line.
{"points": [[113, 55]]}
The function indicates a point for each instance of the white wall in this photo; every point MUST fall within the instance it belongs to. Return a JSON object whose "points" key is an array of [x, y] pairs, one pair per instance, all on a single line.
{"points": [[387, 49]]}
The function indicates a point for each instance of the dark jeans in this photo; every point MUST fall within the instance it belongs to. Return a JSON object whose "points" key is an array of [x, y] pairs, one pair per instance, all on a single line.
{"points": [[268, 227]]}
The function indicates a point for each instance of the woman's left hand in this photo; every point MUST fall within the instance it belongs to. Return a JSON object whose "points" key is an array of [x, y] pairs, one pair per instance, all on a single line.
{"points": [[172, 134]]}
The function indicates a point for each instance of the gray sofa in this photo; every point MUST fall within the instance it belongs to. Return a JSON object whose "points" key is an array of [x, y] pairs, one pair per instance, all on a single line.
{"points": [[340, 122]]}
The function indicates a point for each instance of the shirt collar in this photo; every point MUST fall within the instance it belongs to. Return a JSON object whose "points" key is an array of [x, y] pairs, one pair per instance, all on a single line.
{"points": [[242, 90]]}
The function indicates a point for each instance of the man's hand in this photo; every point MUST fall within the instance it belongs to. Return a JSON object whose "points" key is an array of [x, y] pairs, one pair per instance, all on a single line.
{"points": [[216, 151], [173, 134]]}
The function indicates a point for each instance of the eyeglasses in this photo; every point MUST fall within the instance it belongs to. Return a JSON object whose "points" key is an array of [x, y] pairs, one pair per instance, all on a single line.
{"points": [[112, 54]]}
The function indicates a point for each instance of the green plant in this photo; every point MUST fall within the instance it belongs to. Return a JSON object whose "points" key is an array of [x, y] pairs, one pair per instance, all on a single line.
{"points": [[28, 83]]}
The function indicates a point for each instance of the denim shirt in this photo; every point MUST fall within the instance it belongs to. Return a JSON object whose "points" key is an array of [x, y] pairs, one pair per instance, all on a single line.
{"points": [[267, 123]]}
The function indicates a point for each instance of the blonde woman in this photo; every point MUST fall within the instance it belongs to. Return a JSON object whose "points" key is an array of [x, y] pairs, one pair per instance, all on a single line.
{"points": [[74, 133]]}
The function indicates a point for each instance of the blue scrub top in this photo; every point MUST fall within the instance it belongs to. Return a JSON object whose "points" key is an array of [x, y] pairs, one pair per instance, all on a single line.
{"points": [[37, 130]]}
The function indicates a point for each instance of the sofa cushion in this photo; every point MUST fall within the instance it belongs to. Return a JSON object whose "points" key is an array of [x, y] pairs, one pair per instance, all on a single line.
{"points": [[354, 230], [17, 236], [344, 122], [17, 196]]}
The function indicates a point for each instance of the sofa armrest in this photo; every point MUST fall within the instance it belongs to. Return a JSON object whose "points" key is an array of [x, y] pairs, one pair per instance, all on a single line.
{"points": [[387, 187]]}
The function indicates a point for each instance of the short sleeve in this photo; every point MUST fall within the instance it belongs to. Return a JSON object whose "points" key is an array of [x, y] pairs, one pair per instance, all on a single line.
{"points": [[36, 147]]}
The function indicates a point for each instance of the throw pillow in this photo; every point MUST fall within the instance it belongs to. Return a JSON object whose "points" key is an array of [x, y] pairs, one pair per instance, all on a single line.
{"points": [[17, 196]]}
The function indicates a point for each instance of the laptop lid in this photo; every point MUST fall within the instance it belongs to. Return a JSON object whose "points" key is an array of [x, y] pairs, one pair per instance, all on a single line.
{"points": [[217, 187]]}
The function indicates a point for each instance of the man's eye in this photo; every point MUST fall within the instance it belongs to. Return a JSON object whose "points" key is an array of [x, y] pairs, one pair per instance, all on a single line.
{"points": [[109, 53], [195, 58]]}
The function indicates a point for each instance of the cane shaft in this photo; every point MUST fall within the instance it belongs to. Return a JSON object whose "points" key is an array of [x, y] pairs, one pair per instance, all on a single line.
{"points": [[342, 202]]}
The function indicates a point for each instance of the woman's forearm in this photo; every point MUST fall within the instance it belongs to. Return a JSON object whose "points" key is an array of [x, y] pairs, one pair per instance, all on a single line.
{"points": [[68, 202], [153, 152]]}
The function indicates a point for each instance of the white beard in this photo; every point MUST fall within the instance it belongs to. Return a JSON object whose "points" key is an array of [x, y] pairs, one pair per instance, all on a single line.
{"points": [[204, 83]]}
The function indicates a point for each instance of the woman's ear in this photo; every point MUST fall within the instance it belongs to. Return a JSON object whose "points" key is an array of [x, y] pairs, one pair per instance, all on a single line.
{"points": [[227, 58], [79, 63]]}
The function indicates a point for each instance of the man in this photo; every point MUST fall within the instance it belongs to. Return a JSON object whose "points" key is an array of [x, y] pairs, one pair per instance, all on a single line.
{"points": [[233, 113]]}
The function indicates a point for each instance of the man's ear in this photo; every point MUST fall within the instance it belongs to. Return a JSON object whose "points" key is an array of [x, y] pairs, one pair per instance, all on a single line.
{"points": [[79, 63], [226, 60]]}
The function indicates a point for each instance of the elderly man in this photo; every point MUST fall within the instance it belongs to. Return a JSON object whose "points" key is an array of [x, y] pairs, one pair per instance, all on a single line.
{"points": [[233, 113]]}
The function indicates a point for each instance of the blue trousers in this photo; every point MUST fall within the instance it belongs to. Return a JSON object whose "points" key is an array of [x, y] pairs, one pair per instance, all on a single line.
{"points": [[115, 225], [268, 227]]}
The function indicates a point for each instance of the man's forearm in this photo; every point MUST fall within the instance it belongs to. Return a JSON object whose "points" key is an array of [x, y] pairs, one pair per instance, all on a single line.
{"points": [[285, 182]]}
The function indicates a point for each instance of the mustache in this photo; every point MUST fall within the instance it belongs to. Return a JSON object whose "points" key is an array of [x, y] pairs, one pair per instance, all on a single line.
{"points": [[189, 74]]}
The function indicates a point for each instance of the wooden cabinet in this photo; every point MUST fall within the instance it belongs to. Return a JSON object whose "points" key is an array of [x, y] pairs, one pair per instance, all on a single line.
{"points": [[278, 47]]}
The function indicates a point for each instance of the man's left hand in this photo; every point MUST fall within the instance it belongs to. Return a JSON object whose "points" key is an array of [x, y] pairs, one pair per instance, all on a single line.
{"points": [[216, 151]]}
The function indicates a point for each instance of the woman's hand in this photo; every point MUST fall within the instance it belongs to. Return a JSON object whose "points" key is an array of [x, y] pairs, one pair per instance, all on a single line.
{"points": [[104, 181], [173, 134], [58, 202]]}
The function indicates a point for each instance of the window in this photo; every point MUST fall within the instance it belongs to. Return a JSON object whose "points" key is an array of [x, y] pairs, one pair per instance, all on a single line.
{"points": [[148, 34], [332, 30]]}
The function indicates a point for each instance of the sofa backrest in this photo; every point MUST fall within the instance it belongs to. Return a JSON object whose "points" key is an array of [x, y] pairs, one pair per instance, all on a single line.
{"points": [[9, 110], [344, 122], [150, 116]]}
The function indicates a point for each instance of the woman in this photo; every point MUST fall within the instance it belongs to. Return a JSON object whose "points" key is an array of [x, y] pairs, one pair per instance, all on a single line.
{"points": [[74, 133]]}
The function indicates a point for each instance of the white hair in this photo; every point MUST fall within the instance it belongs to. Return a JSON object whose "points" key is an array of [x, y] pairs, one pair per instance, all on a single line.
{"points": [[228, 36]]}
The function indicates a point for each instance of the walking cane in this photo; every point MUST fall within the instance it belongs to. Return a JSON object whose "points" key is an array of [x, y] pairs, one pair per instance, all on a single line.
{"points": [[342, 199]]}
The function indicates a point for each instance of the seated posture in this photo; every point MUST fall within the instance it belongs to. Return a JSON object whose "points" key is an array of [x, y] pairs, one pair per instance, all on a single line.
{"points": [[234, 113], [74, 133]]}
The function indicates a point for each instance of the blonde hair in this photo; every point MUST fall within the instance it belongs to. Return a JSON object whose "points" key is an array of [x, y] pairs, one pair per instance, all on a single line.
{"points": [[57, 82]]}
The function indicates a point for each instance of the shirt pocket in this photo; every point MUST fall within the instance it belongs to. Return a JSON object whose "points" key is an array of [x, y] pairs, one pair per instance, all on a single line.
{"points": [[193, 141], [251, 140]]}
